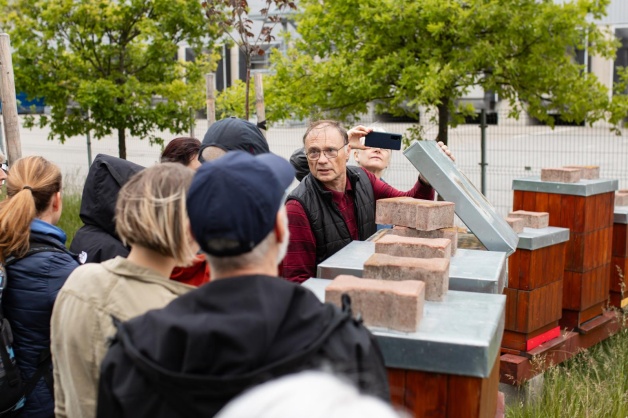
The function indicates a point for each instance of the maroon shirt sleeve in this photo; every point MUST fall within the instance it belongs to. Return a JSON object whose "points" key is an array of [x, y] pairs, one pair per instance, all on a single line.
{"points": [[383, 190], [300, 261]]}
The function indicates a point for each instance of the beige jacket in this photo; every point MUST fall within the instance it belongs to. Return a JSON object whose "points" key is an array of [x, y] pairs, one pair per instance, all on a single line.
{"points": [[81, 324]]}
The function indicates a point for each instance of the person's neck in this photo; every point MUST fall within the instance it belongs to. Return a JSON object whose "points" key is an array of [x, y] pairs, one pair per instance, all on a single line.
{"points": [[150, 259], [338, 185], [268, 268], [378, 174]]}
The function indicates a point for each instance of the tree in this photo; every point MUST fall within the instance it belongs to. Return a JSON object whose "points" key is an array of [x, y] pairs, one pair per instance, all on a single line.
{"points": [[404, 53], [112, 60], [234, 20]]}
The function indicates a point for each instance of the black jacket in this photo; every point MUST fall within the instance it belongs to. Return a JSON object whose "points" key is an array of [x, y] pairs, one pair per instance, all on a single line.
{"points": [[206, 347], [328, 225], [98, 236]]}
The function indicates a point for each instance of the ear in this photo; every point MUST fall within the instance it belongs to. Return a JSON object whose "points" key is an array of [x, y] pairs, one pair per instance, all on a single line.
{"points": [[348, 151], [280, 227], [56, 202]]}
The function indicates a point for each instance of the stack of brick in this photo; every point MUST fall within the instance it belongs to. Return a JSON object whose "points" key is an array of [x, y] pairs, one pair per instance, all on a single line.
{"points": [[416, 248], [570, 173], [619, 262], [588, 253], [535, 290]]}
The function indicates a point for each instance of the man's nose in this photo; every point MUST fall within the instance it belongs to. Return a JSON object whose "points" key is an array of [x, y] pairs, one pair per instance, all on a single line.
{"points": [[323, 158]]}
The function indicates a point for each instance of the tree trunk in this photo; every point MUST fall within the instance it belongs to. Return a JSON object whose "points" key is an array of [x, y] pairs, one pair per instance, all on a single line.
{"points": [[122, 143], [248, 88], [443, 120]]}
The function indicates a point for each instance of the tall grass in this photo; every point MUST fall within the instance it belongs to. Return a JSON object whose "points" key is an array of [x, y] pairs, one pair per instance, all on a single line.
{"points": [[592, 384], [70, 221]]}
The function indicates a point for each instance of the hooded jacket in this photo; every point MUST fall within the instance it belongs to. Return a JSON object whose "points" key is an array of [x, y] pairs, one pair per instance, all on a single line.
{"points": [[211, 344], [97, 237], [32, 286]]}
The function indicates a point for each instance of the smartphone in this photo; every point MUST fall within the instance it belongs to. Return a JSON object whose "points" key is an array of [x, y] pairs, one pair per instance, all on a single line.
{"points": [[383, 140]]}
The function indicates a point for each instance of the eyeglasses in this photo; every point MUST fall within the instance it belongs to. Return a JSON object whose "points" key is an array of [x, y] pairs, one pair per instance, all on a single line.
{"points": [[5, 168], [315, 154]]}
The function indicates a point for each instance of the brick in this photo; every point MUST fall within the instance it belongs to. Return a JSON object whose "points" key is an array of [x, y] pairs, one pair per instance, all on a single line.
{"points": [[561, 175], [393, 305], [587, 172], [516, 224], [621, 198], [425, 215], [434, 272], [448, 233], [413, 247], [532, 219]]}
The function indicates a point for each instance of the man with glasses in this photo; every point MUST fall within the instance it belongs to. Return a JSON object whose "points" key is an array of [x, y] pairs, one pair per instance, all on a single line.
{"points": [[335, 203]]}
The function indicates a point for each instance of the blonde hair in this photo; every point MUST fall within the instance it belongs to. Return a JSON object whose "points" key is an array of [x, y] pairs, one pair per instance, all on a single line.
{"points": [[31, 184], [151, 211]]}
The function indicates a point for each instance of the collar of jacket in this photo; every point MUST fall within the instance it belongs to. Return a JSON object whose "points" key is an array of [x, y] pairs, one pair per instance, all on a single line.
{"points": [[122, 267]]}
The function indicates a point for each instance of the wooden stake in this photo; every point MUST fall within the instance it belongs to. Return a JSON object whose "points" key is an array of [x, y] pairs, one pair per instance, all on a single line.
{"points": [[210, 85], [260, 110], [9, 102]]}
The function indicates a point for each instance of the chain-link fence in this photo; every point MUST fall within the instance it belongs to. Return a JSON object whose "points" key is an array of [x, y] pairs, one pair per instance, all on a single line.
{"points": [[513, 150]]}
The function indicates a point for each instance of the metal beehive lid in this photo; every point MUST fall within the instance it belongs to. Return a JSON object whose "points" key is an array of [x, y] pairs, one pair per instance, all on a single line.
{"points": [[469, 270], [471, 205], [460, 335], [621, 215], [581, 188]]}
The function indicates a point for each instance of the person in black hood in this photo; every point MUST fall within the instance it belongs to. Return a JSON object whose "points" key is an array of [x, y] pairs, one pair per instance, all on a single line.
{"points": [[247, 325], [232, 134], [97, 237]]}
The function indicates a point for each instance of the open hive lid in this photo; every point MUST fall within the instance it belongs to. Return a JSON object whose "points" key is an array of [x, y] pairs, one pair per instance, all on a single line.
{"points": [[471, 206]]}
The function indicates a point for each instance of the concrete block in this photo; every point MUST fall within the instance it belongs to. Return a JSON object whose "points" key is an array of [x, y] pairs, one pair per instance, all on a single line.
{"points": [[532, 219], [425, 215], [516, 224], [448, 233], [587, 172], [413, 247], [393, 305], [621, 198], [561, 175], [434, 272]]}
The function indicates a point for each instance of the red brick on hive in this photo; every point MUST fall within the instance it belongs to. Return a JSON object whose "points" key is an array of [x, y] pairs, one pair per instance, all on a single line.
{"points": [[434, 272], [587, 172], [532, 219], [561, 175], [448, 233], [516, 224], [394, 305], [413, 247], [425, 215]]}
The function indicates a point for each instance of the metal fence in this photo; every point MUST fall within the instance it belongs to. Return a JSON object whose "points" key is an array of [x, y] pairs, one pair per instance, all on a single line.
{"points": [[513, 150]]}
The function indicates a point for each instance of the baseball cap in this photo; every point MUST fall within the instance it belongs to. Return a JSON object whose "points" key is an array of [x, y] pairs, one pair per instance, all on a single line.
{"points": [[233, 134], [233, 201]]}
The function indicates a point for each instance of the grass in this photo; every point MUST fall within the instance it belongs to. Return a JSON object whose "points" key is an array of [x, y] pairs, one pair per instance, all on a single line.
{"points": [[70, 220], [592, 384]]}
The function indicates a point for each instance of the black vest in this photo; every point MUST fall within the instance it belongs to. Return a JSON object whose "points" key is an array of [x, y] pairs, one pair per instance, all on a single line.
{"points": [[329, 228]]}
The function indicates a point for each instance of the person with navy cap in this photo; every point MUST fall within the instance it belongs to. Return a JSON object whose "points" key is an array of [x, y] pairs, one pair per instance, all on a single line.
{"points": [[247, 325], [232, 134]]}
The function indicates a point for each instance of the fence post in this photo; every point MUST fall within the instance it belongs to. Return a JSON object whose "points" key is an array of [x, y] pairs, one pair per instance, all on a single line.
{"points": [[260, 109], [483, 162], [9, 101], [210, 88]]}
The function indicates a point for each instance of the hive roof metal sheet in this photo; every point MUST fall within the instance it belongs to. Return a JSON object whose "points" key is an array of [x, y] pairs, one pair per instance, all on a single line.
{"points": [[471, 206]]}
